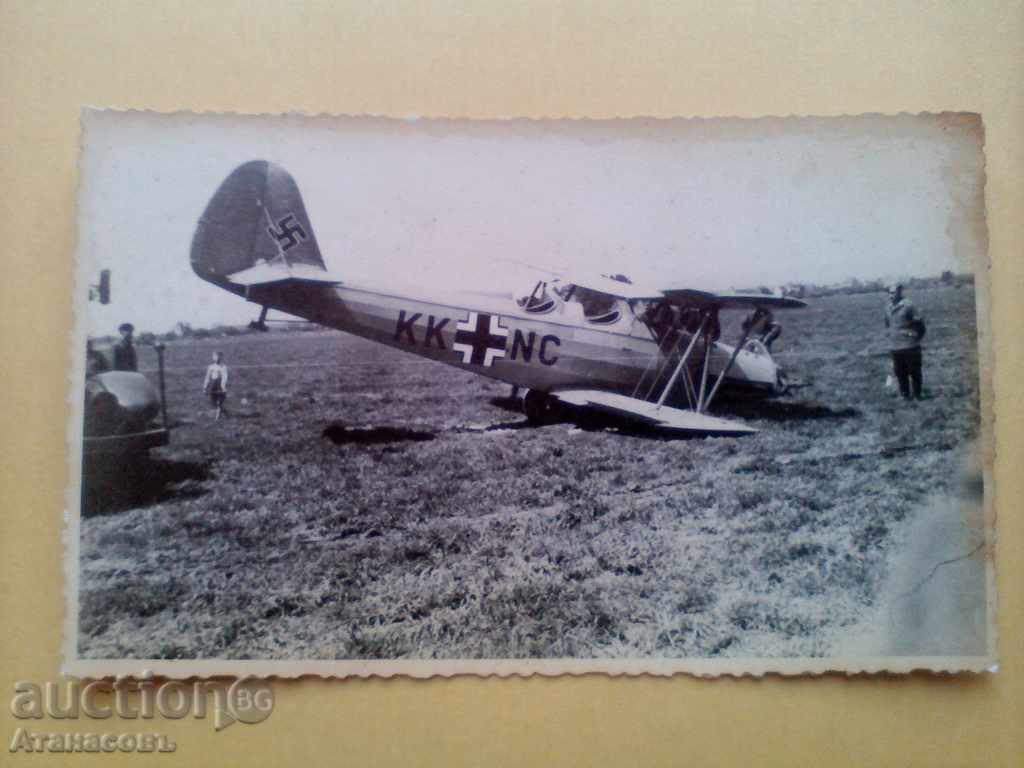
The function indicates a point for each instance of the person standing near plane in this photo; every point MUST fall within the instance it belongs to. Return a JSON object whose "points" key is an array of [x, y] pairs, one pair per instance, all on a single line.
{"points": [[124, 350], [905, 331], [760, 324], [216, 383]]}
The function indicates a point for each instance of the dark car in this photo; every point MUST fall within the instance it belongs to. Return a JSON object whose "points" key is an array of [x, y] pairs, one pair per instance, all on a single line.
{"points": [[123, 413]]}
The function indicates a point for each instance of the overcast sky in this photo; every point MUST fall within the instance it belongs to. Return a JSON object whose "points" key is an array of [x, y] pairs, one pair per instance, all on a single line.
{"points": [[704, 203]]}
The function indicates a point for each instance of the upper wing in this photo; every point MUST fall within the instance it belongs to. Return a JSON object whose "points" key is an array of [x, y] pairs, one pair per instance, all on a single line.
{"points": [[651, 414], [752, 300], [598, 282], [732, 300], [687, 296], [603, 284]]}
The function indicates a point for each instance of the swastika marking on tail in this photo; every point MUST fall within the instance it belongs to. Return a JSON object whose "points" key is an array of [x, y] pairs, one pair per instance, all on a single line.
{"points": [[288, 232]]}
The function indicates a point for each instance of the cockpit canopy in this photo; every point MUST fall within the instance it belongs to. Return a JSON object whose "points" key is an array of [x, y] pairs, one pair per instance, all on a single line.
{"points": [[539, 300], [596, 307]]}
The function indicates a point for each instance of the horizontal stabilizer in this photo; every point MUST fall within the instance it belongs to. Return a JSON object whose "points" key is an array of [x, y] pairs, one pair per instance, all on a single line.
{"points": [[651, 414], [266, 274]]}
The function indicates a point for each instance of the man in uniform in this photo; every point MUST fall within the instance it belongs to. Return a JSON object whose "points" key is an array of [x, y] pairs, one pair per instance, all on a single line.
{"points": [[905, 329], [124, 350]]}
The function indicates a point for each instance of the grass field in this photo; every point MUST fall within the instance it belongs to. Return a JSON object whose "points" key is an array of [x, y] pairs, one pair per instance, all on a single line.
{"points": [[426, 535]]}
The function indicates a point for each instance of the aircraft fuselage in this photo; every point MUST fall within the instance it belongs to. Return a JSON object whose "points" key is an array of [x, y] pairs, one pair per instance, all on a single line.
{"points": [[497, 339]]}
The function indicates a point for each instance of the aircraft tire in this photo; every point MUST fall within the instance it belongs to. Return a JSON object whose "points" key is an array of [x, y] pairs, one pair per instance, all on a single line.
{"points": [[541, 408]]}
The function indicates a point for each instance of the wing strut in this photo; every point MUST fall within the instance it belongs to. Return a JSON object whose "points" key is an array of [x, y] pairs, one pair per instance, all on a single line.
{"points": [[699, 400], [662, 345], [682, 361], [725, 370], [704, 374], [659, 414]]}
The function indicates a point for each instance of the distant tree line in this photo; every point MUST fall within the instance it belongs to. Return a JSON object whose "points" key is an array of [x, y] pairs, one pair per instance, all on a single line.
{"points": [[947, 279], [184, 331]]}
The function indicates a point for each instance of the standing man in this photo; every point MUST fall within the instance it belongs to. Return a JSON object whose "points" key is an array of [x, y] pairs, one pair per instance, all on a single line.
{"points": [[124, 350], [906, 329]]}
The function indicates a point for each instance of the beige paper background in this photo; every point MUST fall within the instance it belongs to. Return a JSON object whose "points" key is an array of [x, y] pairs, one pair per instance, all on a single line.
{"points": [[597, 59]]}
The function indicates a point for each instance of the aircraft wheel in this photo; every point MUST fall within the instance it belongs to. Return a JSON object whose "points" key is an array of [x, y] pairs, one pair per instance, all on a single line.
{"points": [[541, 408]]}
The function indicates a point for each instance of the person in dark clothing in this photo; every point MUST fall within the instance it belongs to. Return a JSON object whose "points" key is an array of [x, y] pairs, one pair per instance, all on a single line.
{"points": [[760, 324], [124, 350], [905, 330]]}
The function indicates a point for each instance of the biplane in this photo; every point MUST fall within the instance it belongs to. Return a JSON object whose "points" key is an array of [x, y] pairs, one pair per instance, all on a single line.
{"points": [[648, 355]]}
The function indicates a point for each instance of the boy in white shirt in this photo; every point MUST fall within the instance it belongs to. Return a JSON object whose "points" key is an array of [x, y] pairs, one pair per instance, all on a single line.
{"points": [[216, 383]]}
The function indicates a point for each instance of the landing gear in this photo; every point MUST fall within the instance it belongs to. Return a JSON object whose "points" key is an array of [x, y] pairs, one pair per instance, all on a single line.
{"points": [[261, 324], [541, 408], [781, 382]]}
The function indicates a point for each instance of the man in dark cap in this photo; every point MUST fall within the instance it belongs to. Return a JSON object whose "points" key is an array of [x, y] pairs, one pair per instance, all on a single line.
{"points": [[124, 350], [905, 330]]}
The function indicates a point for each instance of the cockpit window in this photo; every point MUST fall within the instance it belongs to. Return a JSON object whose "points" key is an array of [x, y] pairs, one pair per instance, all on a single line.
{"points": [[606, 318], [538, 301], [598, 308], [595, 307]]}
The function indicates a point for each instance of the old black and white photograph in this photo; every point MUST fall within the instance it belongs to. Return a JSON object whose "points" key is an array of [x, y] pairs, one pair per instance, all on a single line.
{"points": [[365, 395]]}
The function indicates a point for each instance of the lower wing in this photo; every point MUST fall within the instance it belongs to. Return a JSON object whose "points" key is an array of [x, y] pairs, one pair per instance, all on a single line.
{"points": [[651, 414]]}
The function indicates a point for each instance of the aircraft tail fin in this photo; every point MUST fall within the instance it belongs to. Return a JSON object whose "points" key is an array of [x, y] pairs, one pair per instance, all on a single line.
{"points": [[255, 221]]}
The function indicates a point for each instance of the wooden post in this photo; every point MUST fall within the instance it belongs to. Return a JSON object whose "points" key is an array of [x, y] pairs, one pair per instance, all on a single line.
{"points": [[160, 347]]}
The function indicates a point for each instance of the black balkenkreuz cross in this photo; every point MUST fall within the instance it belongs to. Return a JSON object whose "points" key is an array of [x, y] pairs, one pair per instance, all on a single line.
{"points": [[480, 339], [288, 232]]}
